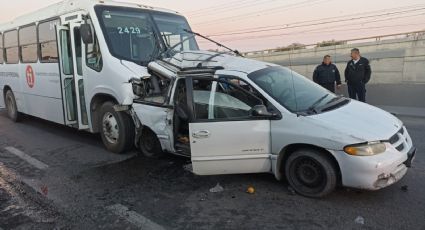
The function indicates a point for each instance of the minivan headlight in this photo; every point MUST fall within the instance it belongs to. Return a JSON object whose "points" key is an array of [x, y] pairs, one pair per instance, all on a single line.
{"points": [[369, 149]]}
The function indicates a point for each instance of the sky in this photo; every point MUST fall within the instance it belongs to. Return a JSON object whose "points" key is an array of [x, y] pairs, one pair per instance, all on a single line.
{"points": [[249, 25]]}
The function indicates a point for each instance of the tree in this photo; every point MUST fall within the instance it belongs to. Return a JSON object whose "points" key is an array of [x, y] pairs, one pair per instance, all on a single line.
{"points": [[293, 46], [332, 42]]}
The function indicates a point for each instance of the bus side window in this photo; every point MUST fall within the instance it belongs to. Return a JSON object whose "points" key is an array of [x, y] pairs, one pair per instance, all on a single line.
{"points": [[93, 55], [47, 41], [11, 47], [1, 49], [28, 44]]}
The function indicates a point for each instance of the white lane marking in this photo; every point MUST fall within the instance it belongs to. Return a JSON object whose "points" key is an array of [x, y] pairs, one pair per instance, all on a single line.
{"points": [[134, 217], [31, 160]]}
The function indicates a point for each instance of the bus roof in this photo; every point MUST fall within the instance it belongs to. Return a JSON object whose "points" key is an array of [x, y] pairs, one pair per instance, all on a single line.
{"points": [[69, 6]]}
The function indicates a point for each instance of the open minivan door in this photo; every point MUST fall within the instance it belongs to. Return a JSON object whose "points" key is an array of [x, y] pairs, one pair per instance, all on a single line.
{"points": [[227, 135]]}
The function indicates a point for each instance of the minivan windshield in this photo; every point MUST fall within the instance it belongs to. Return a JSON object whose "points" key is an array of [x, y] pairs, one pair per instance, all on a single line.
{"points": [[292, 90], [139, 35]]}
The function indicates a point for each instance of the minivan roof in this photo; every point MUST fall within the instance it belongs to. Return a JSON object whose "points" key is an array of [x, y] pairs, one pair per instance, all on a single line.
{"points": [[207, 60]]}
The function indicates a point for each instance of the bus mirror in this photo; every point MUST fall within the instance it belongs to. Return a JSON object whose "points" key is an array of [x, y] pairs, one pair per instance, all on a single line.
{"points": [[86, 33]]}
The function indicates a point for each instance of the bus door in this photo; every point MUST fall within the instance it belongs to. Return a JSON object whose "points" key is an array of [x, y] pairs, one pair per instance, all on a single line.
{"points": [[71, 50]]}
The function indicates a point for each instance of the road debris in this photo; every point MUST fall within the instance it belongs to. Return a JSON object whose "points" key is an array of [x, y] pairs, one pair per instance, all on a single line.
{"points": [[44, 190], [291, 191], [188, 167], [359, 220], [217, 188], [250, 190], [404, 188]]}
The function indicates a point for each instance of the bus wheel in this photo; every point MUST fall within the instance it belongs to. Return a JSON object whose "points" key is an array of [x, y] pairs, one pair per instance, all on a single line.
{"points": [[150, 145], [311, 173], [12, 109], [117, 130]]}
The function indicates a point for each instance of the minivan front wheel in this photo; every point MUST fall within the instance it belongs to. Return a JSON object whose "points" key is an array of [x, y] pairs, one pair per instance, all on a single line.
{"points": [[150, 145], [311, 173]]}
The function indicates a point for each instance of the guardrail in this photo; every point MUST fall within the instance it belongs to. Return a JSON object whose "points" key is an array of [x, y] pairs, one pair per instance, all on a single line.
{"points": [[415, 35]]}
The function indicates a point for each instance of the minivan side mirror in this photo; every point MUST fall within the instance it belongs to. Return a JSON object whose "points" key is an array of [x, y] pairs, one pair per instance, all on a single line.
{"points": [[261, 111], [86, 33]]}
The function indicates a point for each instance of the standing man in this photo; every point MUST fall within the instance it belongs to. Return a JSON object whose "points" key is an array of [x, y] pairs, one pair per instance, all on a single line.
{"points": [[357, 75], [327, 74]]}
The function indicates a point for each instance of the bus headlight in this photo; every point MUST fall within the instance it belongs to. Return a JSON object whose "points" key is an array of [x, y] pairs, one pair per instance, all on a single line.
{"points": [[137, 90], [137, 87], [369, 149]]}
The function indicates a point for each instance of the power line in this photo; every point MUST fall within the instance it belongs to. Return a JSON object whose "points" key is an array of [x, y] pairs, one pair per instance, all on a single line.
{"points": [[323, 19], [228, 4], [295, 25], [261, 12], [318, 30], [231, 8]]}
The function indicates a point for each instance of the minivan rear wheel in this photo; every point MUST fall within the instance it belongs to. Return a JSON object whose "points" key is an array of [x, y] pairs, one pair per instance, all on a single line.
{"points": [[311, 173]]}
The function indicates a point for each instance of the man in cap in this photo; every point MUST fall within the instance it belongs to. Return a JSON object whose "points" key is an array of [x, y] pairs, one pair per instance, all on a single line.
{"points": [[327, 74]]}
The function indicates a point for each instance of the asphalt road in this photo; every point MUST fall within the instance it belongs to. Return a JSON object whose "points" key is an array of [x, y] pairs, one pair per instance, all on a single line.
{"points": [[68, 181]]}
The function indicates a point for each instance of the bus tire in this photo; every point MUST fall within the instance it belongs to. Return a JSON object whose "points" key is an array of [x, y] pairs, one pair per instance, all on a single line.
{"points": [[116, 129], [311, 173], [149, 144], [12, 109]]}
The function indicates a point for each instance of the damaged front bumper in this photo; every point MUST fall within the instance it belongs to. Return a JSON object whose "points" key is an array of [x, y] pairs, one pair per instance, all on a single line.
{"points": [[374, 172]]}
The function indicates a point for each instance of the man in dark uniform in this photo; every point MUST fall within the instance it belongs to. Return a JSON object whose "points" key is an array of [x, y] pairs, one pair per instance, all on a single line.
{"points": [[327, 74], [357, 75]]}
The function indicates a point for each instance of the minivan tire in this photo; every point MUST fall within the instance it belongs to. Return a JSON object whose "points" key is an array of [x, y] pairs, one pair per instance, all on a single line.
{"points": [[311, 173], [116, 129], [149, 144], [12, 109]]}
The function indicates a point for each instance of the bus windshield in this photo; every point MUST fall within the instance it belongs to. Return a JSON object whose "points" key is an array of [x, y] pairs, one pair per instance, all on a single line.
{"points": [[140, 36]]}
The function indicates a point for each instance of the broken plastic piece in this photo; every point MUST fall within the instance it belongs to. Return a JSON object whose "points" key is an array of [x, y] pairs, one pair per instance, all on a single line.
{"points": [[217, 188], [44, 190], [359, 220], [404, 188]]}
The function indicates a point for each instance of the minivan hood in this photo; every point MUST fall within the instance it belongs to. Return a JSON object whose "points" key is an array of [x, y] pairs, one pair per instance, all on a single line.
{"points": [[360, 122]]}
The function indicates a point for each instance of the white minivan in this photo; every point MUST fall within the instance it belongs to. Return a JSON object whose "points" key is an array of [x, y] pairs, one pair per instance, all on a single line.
{"points": [[233, 115], [135, 75]]}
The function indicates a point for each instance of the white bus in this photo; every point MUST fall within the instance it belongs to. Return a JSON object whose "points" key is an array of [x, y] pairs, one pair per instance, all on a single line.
{"points": [[47, 71], [135, 75]]}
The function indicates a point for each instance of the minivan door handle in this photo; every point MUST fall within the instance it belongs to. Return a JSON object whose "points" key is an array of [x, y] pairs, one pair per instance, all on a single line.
{"points": [[201, 134]]}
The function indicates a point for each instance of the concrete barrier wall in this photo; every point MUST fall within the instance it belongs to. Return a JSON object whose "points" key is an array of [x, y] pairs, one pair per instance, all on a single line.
{"points": [[398, 67]]}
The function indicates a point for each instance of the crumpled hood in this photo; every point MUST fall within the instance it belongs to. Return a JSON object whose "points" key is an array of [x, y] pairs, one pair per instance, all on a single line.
{"points": [[360, 122], [137, 70]]}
